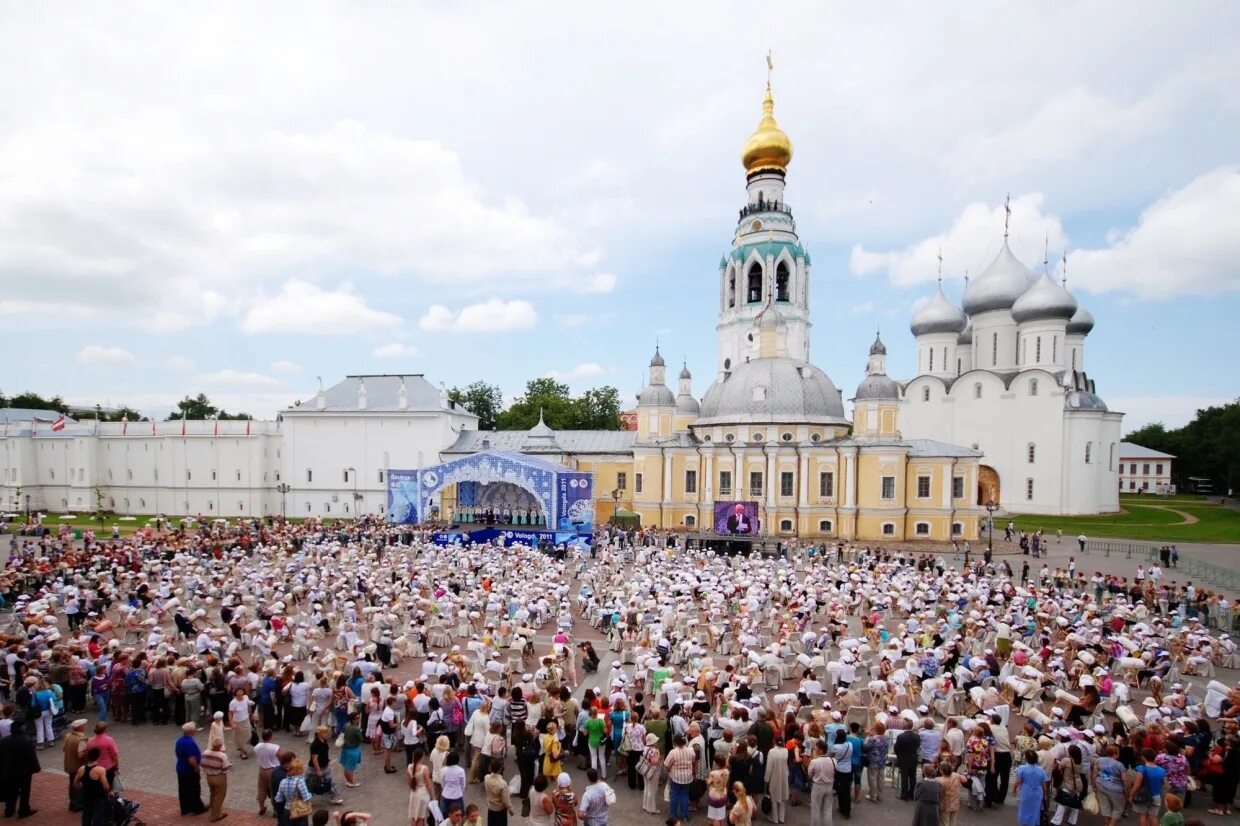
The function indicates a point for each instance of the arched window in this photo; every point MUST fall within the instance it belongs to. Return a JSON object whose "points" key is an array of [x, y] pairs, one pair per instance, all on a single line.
{"points": [[889, 529], [1033, 387], [731, 287], [690, 521], [994, 349], [753, 292], [957, 529], [1054, 348], [925, 394], [922, 529], [1089, 450], [1032, 452], [785, 525], [931, 360], [1037, 350], [824, 526], [977, 390], [781, 282]]}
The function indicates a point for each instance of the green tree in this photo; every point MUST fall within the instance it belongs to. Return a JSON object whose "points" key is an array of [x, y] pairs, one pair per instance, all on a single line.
{"points": [[124, 413], [33, 401], [1207, 447], [599, 409], [542, 395], [483, 400], [200, 407]]}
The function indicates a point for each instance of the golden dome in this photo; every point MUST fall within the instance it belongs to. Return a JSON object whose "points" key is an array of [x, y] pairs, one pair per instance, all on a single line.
{"points": [[768, 148]]}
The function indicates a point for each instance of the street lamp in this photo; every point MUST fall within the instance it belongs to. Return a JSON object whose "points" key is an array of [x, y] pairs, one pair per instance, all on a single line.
{"points": [[283, 488], [991, 507]]}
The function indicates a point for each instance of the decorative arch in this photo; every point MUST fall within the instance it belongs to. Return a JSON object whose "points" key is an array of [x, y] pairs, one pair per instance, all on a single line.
{"points": [[753, 282], [783, 277], [988, 489]]}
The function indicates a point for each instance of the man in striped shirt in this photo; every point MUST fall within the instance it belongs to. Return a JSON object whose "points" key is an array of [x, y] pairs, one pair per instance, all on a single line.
{"points": [[681, 763], [215, 767]]}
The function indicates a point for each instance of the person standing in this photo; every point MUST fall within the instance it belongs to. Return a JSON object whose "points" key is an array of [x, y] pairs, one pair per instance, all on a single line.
{"points": [[1145, 793], [776, 776], [927, 794], [75, 752], [907, 748], [239, 722], [499, 800], [109, 755], [189, 781], [215, 767], [1030, 790], [267, 755], [650, 765], [19, 763], [681, 764], [821, 774], [595, 800], [92, 778], [744, 808]]}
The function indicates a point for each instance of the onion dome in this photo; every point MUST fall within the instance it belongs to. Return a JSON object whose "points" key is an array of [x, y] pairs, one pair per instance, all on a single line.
{"points": [[768, 148], [684, 373], [1046, 299], [657, 360], [966, 335], [939, 315], [540, 436], [878, 348], [999, 285], [1081, 323]]}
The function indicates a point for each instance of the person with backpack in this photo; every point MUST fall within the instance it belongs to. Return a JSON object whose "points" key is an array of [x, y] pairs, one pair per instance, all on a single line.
{"points": [[135, 691], [1145, 789]]}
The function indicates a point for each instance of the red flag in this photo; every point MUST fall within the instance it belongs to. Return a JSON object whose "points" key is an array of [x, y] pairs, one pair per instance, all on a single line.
{"points": [[247, 427], [217, 426], [59, 424], [152, 427], [124, 425]]}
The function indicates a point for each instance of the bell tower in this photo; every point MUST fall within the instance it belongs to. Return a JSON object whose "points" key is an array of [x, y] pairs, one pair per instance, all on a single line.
{"points": [[767, 265]]}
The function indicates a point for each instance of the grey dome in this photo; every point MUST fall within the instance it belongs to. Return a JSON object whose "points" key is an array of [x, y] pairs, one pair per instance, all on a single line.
{"points": [[540, 436], [778, 389], [656, 394], [1081, 323], [684, 373], [1044, 300], [999, 285], [877, 387], [966, 335], [939, 315], [1084, 400], [685, 403], [878, 348], [657, 360]]}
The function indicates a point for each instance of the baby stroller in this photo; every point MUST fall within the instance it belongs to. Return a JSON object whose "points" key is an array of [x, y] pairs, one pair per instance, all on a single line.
{"points": [[123, 812]]}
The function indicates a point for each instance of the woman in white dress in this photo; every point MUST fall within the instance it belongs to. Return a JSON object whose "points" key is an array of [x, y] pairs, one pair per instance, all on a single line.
{"points": [[419, 777]]}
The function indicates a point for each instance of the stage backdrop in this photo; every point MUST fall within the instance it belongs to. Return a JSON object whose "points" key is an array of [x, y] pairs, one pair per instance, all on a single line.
{"points": [[731, 522]]}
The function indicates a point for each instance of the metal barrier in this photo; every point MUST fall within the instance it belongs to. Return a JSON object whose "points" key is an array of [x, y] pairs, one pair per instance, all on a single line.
{"points": [[1187, 567]]}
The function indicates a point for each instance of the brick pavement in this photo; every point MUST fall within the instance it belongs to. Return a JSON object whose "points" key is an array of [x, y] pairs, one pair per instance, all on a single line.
{"points": [[49, 792]]}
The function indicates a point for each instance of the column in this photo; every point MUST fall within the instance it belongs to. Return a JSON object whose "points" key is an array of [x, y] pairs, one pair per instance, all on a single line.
{"points": [[849, 471]]}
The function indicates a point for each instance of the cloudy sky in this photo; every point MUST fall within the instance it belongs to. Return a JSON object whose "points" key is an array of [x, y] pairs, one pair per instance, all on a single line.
{"points": [[237, 199]]}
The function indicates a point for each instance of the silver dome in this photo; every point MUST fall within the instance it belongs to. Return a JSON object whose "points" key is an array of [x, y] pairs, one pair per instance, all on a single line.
{"points": [[1084, 400], [877, 387], [684, 373], [939, 315], [777, 389], [656, 394], [1081, 323], [999, 285], [878, 348], [966, 335], [657, 360], [1044, 300], [685, 403]]}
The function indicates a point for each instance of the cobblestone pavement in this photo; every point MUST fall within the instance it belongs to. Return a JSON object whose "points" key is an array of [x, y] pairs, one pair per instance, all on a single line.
{"points": [[147, 753]]}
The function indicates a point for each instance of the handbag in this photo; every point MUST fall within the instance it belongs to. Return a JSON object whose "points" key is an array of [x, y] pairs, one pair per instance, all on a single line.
{"points": [[253, 736], [1142, 796], [340, 740], [1071, 800], [1090, 804], [299, 808]]}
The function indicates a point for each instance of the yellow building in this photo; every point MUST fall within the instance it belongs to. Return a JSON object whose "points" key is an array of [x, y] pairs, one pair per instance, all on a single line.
{"points": [[771, 433]]}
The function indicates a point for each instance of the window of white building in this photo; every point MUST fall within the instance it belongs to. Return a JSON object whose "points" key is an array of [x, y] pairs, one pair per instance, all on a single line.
{"points": [[925, 394], [1029, 489], [977, 390], [1032, 451], [1033, 387]]}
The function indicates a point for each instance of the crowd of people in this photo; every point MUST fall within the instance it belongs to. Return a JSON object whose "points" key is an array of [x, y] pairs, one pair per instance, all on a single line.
{"points": [[729, 688]]}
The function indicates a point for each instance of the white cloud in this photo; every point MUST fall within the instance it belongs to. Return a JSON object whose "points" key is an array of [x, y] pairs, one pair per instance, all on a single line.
{"points": [[95, 355], [285, 367], [239, 378], [970, 243], [1171, 411], [395, 350], [494, 316], [302, 307], [179, 364], [1184, 244], [864, 308], [601, 283], [579, 372], [572, 319]]}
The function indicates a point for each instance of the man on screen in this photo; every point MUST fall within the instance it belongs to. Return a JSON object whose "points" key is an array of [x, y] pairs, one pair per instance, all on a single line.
{"points": [[738, 522]]}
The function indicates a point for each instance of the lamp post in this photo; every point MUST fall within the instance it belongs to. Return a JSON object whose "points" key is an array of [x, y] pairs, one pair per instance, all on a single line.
{"points": [[356, 496], [615, 508], [991, 507], [283, 488]]}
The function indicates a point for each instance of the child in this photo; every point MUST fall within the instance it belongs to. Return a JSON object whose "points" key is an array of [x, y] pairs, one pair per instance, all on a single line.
{"points": [[472, 818], [1174, 816]]}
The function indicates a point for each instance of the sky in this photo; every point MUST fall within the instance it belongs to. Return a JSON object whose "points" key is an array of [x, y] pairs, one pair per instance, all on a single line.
{"points": [[241, 199]]}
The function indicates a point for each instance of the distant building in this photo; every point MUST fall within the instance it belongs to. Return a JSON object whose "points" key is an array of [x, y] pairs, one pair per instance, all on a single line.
{"points": [[628, 420], [1143, 470]]}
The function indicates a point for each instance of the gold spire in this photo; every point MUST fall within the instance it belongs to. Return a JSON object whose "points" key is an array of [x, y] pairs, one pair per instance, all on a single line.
{"points": [[768, 148]]}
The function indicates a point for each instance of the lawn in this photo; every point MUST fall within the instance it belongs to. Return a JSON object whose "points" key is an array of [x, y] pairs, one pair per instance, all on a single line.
{"points": [[1147, 519]]}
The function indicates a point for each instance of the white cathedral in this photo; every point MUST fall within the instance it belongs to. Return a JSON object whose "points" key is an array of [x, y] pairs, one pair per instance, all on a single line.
{"points": [[1006, 375]]}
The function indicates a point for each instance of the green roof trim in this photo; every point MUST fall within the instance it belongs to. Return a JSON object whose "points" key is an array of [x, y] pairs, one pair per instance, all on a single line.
{"points": [[767, 249]]}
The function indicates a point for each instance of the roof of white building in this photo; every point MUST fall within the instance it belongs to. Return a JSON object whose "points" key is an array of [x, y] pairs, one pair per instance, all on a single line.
{"points": [[382, 395], [26, 414], [1127, 450], [568, 441]]}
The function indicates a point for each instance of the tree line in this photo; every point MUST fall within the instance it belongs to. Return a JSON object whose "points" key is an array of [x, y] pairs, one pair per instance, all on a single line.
{"points": [[596, 409], [1207, 447], [196, 407]]}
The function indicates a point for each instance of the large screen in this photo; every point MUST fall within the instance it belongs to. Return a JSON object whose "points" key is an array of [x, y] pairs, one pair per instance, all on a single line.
{"points": [[736, 518]]}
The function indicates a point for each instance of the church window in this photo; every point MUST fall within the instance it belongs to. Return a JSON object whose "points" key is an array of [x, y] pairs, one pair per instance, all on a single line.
{"points": [[785, 525], [690, 481], [781, 282], [757, 437], [959, 365], [1089, 450], [731, 288], [786, 483], [309, 475], [1033, 387], [1073, 358], [1032, 452], [731, 437], [637, 483], [189, 475], [889, 529], [1054, 348], [381, 477], [994, 349], [957, 487], [1029, 490], [826, 484], [725, 483], [1037, 350], [824, 526], [957, 529], [755, 483], [815, 437], [753, 293], [622, 480], [213, 476], [945, 362], [307, 507], [327, 508], [727, 364], [787, 437], [977, 390], [1111, 460], [922, 529], [925, 394], [931, 359], [690, 521], [923, 487], [889, 487]]}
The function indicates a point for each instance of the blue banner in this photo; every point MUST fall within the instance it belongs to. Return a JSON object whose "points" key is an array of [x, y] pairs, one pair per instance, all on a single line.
{"points": [[402, 503], [509, 537], [575, 501]]}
